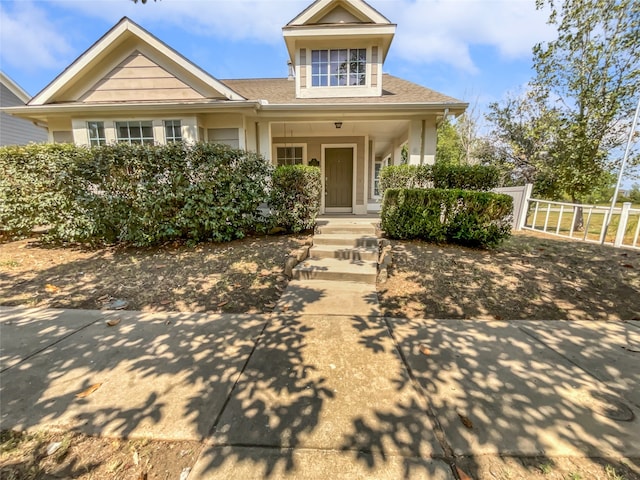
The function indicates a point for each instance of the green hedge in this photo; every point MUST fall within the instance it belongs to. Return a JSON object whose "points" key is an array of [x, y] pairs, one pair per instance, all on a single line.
{"points": [[478, 219], [295, 197], [440, 175], [137, 194]]}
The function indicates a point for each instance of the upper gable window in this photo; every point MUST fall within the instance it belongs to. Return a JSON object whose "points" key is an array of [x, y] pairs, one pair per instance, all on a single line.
{"points": [[339, 68]]}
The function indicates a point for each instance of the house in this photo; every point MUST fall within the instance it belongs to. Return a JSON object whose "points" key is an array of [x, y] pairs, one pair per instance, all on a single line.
{"points": [[336, 110], [13, 130]]}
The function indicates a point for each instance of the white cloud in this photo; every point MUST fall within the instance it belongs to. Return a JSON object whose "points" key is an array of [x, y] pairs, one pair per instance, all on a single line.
{"points": [[29, 39], [445, 30], [259, 20], [429, 31]]}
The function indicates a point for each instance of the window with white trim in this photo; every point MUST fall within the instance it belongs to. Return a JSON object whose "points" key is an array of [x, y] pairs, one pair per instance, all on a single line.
{"points": [[293, 155], [172, 131], [96, 133], [140, 132], [339, 67]]}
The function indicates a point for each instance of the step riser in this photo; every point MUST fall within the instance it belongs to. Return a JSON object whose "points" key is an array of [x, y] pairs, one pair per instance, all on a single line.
{"points": [[351, 242], [347, 230], [309, 274], [344, 254]]}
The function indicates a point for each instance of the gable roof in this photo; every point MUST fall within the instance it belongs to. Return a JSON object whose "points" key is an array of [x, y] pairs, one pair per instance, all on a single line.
{"points": [[14, 88], [338, 19], [113, 48], [319, 10]]}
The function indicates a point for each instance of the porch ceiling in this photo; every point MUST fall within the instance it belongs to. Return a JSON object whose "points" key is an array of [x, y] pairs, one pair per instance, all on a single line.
{"points": [[383, 132]]}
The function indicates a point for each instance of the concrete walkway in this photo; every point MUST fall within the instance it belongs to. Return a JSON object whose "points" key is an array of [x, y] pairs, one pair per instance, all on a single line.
{"points": [[321, 396], [339, 277]]}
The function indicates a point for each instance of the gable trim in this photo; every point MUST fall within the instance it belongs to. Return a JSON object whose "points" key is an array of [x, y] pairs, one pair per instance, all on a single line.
{"points": [[317, 7], [119, 31], [14, 88]]}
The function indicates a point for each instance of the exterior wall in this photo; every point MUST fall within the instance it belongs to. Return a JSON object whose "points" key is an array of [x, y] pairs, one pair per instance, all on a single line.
{"points": [[314, 150], [422, 141], [373, 87], [138, 78], [17, 131], [189, 128], [339, 15]]}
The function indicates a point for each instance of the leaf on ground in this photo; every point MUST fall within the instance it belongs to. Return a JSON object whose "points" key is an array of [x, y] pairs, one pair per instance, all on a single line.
{"points": [[88, 391], [627, 265], [498, 317], [136, 458], [49, 288], [285, 308], [462, 474], [466, 421], [53, 448], [237, 285], [425, 350], [165, 302], [184, 474], [103, 297], [113, 322], [279, 288], [222, 304], [270, 305], [265, 273]]}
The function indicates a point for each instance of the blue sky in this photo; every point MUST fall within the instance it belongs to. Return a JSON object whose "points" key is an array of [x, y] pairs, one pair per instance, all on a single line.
{"points": [[474, 50], [470, 49]]}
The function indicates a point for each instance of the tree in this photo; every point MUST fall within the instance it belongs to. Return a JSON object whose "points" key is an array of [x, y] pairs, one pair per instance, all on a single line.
{"points": [[458, 141], [522, 141], [449, 148], [589, 77]]}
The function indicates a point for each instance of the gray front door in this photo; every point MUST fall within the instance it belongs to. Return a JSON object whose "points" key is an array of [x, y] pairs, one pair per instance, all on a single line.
{"points": [[338, 165]]}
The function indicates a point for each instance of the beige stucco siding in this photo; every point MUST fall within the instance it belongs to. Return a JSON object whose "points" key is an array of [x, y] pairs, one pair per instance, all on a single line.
{"points": [[139, 79]]}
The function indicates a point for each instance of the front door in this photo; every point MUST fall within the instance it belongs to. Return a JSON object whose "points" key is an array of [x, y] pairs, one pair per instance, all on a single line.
{"points": [[338, 165]]}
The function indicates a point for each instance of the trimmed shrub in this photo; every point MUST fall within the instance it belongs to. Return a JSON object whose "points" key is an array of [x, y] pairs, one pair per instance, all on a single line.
{"points": [[406, 176], [477, 219], [465, 177], [440, 175], [295, 197], [140, 194]]}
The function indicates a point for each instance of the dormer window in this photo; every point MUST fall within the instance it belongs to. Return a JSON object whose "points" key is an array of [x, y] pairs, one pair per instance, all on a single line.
{"points": [[339, 68]]}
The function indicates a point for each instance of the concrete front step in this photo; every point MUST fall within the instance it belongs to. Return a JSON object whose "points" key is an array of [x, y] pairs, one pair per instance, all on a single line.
{"points": [[332, 228], [348, 239], [337, 270], [343, 252]]}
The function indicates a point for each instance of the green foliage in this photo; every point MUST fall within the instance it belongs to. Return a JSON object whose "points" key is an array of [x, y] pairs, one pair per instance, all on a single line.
{"points": [[295, 197], [449, 148], [478, 219], [465, 177], [440, 175], [406, 176], [137, 194], [590, 76]]}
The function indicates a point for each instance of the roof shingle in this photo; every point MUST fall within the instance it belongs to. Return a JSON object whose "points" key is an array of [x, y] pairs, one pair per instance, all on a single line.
{"points": [[281, 91]]}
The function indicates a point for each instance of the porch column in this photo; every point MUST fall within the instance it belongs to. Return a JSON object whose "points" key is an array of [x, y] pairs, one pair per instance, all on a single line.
{"points": [[422, 141], [264, 140]]}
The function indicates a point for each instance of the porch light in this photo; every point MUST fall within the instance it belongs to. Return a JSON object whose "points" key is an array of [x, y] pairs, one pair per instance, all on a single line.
{"points": [[338, 124]]}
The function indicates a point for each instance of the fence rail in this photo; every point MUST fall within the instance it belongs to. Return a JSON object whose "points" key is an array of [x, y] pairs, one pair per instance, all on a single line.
{"points": [[559, 218]]}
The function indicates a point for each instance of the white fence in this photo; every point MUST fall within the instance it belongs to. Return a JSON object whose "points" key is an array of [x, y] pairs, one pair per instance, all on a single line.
{"points": [[559, 219]]}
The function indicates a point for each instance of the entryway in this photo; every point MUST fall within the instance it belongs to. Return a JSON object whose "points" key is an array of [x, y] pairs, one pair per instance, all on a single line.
{"points": [[338, 166]]}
